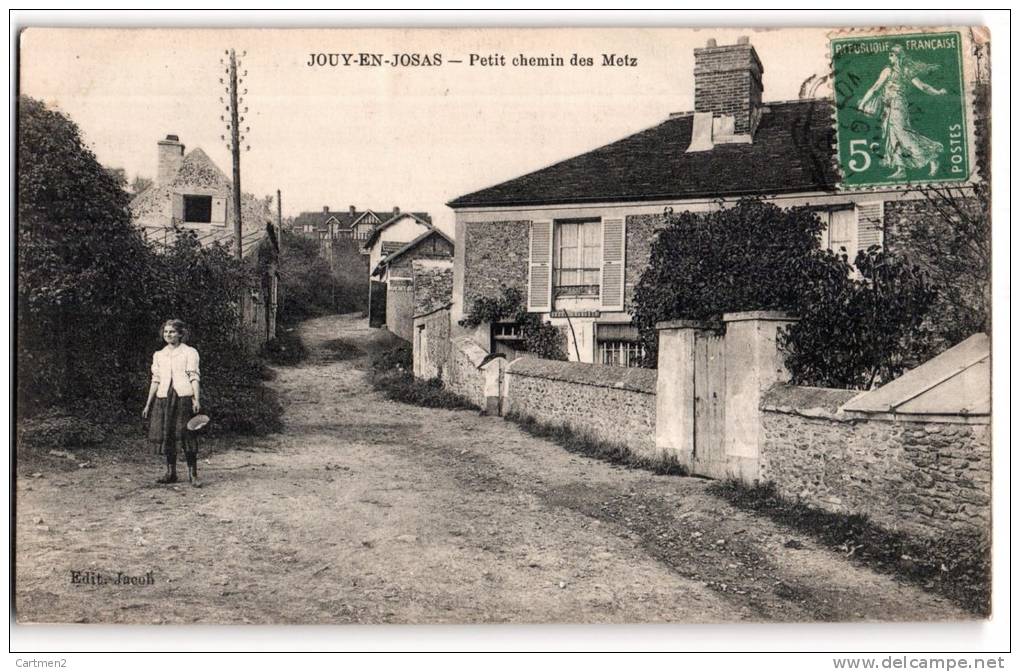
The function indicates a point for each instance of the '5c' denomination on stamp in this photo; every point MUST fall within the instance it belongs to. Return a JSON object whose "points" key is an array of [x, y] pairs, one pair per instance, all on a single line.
{"points": [[901, 108]]}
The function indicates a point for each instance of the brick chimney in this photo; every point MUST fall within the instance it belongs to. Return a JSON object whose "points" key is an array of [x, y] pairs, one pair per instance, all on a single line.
{"points": [[727, 84], [353, 211], [325, 208], [396, 210], [171, 154]]}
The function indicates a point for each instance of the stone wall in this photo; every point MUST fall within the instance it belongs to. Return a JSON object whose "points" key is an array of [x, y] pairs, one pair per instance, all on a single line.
{"points": [[928, 478], [462, 375], [431, 344], [613, 404], [433, 285], [400, 307], [495, 255]]}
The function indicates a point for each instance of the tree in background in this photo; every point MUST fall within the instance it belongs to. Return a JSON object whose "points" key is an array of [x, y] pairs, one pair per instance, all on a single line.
{"points": [[140, 184]]}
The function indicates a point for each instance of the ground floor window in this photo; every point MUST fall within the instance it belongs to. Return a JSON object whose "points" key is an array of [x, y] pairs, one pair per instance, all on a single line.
{"points": [[619, 345]]}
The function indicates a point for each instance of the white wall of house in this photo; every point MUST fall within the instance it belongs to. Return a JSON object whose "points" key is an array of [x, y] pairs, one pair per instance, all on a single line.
{"points": [[404, 230]]}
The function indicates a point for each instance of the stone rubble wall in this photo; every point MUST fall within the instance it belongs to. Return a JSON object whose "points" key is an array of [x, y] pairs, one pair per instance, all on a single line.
{"points": [[921, 477], [613, 404]]}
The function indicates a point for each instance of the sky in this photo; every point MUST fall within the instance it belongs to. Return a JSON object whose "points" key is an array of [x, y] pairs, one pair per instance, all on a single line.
{"points": [[378, 137]]}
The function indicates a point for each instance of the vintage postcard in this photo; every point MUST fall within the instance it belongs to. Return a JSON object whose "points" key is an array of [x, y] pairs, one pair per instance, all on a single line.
{"points": [[461, 326]]}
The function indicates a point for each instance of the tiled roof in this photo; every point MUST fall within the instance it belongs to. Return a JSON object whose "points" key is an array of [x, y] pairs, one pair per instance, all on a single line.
{"points": [[792, 151]]}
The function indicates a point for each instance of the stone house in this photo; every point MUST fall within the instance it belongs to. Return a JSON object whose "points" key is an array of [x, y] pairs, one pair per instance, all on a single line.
{"points": [[191, 193], [575, 237], [396, 271]]}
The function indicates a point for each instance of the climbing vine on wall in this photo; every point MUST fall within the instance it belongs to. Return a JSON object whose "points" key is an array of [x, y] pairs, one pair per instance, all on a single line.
{"points": [[540, 338]]}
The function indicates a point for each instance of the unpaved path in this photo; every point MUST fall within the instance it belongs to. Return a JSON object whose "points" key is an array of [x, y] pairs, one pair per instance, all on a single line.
{"points": [[365, 510]]}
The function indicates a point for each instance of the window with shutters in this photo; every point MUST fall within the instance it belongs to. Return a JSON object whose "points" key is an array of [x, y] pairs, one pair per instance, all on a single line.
{"points": [[839, 233], [577, 257]]}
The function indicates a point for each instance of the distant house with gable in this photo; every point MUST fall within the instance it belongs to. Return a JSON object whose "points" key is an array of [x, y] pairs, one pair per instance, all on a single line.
{"points": [[191, 193]]}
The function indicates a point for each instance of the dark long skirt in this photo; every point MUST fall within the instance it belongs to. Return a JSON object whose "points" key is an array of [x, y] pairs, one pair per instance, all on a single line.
{"points": [[168, 427]]}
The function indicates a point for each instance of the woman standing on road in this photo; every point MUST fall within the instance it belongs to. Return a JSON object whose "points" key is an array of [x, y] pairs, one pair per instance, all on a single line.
{"points": [[175, 388]]}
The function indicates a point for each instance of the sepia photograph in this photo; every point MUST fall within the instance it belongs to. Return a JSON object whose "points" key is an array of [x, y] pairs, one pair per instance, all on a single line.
{"points": [[439, 325]]}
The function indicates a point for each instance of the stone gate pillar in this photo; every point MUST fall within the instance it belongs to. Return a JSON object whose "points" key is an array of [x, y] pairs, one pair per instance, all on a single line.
{"points": [[674, 391], [753, 365]]}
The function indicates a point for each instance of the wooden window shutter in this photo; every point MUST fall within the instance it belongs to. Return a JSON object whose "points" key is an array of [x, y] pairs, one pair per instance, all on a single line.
{"points": [[613, 257], [870, 224], [540, 268], [177, 201], [219, 211]]}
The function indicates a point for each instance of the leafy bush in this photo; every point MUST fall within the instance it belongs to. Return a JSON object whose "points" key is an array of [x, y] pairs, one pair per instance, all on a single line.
{"points": [[854, 331], [539, 338], [391, 374], [402, 386], [958, 567], [856, 327], [287, 349], [55, 428], [397, 358], [752, 256]]}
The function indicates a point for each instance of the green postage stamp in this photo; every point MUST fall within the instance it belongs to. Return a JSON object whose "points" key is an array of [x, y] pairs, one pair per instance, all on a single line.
{"points": [[901, 108]]}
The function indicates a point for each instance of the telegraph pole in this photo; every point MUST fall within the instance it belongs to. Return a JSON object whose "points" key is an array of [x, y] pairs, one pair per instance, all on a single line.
{"points": [[235, 147], [279, 221], [234, 126]]}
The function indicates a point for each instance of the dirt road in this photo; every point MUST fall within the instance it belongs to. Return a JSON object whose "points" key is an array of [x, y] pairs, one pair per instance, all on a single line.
{"points": [[368, 511]]}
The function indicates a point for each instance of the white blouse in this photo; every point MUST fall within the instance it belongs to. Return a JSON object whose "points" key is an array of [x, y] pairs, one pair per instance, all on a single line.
{"points": [[175, 365]]}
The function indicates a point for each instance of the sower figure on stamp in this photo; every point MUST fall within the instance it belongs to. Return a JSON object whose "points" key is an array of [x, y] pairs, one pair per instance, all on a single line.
{"points": [[175, 389], [903, 147]]}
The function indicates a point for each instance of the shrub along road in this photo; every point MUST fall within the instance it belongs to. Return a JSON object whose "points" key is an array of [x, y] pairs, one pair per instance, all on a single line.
{"points": [[371, 511]]}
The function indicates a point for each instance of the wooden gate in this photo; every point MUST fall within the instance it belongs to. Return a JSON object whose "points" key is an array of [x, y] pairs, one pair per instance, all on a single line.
{"points": [[377, 304], [709, 458]]}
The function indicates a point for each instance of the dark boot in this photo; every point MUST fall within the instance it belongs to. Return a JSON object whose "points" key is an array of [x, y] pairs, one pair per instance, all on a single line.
{"points": [[171, 471], [193, 474]]}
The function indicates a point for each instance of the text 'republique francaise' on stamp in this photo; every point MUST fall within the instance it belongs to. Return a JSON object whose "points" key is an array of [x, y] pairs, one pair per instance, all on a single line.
{"points": [[904, 105]]}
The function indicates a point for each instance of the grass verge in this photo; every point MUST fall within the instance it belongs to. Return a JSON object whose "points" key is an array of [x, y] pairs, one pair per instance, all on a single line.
{"points": [[285, 350], [391, 375], [585, 443], [958, 568]]}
